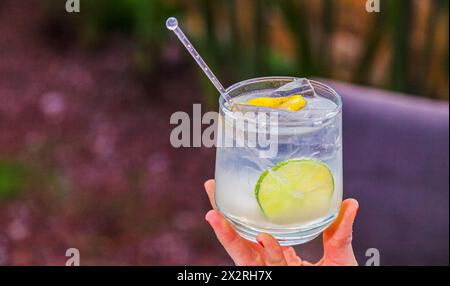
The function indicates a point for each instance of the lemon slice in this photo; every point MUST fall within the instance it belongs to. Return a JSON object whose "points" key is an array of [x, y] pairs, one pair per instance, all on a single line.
{"points": [[293, 189], [290, 103]]}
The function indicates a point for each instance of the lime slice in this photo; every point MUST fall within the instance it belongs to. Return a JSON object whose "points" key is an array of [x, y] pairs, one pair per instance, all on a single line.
{"points": [[295, 189]]}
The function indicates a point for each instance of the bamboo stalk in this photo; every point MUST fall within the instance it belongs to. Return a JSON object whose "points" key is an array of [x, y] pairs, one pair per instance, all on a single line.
{"points": [[328, 19], [297, 21], [259, 31], [208, 15], [372, 45], [427, 52], [400, 24]]}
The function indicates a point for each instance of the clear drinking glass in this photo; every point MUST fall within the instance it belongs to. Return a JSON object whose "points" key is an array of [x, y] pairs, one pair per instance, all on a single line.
{"points": [[254, 185]]}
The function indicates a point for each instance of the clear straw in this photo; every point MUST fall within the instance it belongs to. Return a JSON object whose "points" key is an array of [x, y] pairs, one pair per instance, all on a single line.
{"points": [[172, 24]]}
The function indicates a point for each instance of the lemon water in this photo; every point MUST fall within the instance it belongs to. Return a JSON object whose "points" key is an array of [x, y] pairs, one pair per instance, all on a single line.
{"points": [[251, 191]]}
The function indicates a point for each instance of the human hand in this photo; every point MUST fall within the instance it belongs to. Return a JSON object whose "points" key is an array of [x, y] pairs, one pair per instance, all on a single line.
{"points": [[337, 240]]}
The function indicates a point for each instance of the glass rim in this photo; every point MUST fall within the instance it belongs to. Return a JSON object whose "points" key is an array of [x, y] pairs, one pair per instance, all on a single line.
{"points": [[324, 119]]}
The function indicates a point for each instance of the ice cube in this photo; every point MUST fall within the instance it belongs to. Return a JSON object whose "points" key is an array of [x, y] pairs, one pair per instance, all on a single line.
{"points": [[300, 86]]}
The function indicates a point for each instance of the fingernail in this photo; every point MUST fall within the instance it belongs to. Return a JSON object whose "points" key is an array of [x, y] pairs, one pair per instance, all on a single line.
{"points": [[207, 217]]}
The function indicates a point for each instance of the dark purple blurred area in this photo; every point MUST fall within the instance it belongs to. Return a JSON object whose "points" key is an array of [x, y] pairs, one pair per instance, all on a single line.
{"points": [[396, 163], [86, 162]]}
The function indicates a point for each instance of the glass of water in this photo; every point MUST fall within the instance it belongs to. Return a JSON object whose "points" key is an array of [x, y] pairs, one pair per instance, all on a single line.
{"points": [[279, 172]]}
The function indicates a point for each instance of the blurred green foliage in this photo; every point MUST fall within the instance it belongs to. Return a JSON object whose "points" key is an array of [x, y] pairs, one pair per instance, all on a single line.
{"points": [[12, 179], [18, 176], [235, 54], [142, 19]]}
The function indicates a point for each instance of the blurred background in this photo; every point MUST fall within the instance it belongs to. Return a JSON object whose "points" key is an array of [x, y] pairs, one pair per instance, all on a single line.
{"points": [[85, 102]]}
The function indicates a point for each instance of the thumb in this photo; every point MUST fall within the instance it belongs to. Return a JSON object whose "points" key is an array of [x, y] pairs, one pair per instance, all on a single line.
{"points": [[337, 239]]}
